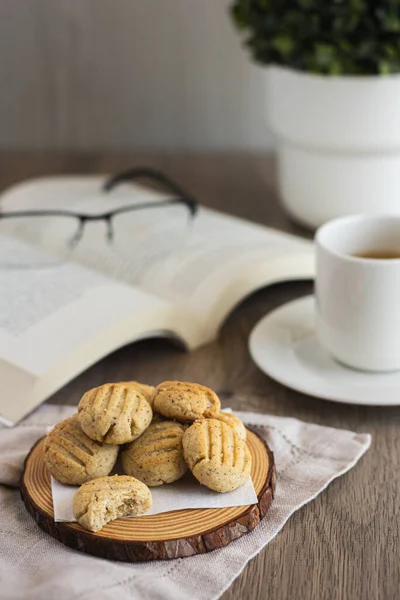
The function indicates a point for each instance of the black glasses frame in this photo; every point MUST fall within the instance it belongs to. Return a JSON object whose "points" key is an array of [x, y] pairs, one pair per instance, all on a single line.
{"points": [[182, 197]]}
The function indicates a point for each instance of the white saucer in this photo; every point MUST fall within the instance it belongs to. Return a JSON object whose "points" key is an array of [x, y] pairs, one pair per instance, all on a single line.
{"points": [[284, 346]]}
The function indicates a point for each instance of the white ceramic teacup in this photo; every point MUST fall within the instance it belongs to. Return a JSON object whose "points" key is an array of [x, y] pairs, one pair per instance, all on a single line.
{"points": [[358, 299]]}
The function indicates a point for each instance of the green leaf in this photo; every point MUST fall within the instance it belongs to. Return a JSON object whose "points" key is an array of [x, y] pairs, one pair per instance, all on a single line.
{"points": [[283, 44], [335, 68], [324, 54], [385, 67]]}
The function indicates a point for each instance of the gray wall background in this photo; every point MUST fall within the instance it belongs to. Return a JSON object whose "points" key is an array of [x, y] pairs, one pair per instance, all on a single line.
{"points": [[123, 74]]}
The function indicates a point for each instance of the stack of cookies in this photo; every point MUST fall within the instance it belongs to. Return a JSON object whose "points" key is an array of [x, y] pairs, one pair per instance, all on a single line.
{"points": [[161, 431]]}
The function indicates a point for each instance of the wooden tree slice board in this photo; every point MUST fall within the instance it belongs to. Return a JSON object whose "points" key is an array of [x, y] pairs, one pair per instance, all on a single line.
{"points": [[169, 535]]}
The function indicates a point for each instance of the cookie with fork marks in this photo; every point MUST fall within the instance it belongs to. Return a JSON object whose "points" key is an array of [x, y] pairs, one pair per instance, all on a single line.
{"points": [[216, 455], [157, 456], [73, 458], [114, 413]]}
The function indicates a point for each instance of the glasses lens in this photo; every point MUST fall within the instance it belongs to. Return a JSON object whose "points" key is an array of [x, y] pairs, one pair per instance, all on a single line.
{"points": [[162, 229], [53, 233]]}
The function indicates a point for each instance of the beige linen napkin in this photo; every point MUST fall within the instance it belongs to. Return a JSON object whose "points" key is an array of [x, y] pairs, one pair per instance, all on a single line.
{"points": [[33, 565]]}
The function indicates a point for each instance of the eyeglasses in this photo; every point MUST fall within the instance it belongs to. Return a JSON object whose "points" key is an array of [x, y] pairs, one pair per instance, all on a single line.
{"points": [[183, 198], [125, 225]]}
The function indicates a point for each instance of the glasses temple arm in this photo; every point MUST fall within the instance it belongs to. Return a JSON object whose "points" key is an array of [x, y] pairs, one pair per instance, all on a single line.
{"points": [[153, 175]]}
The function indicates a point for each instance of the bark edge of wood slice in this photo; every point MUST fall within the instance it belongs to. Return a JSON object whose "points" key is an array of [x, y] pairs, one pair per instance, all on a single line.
{"points": [[176, 534]]}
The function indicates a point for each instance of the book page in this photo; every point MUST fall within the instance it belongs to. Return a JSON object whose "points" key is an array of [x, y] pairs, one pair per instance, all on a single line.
{"points": [[50, 308], [160, 250], [39, 287], [218, 250]]}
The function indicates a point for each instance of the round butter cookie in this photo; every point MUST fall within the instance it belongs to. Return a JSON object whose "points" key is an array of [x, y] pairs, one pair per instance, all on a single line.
{"points": [[143, 388], [233, 421], [100, 501], [114, 413], [157, 456], [73, 458], [185, 401], [216, 455]]}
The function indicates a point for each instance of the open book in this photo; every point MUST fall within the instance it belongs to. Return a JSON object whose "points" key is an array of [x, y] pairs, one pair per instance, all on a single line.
{"points": [[163, 274]]}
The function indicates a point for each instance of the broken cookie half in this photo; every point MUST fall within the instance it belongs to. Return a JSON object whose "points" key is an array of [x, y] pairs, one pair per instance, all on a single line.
{"points": [[102, 500]]}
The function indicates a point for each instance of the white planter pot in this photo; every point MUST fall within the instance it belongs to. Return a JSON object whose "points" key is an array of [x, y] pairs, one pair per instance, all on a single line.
{"points": [[338, 143]]}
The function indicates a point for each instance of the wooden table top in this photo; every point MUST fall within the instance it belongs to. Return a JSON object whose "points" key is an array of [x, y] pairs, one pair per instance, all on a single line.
{"points": [[343, 545]]}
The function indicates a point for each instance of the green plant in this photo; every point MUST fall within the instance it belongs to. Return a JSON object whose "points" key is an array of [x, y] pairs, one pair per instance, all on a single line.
{"points": [[332, 37]]}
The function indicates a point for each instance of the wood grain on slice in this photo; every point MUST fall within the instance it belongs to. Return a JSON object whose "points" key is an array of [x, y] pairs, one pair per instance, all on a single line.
{"points": [[169, 535]]}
